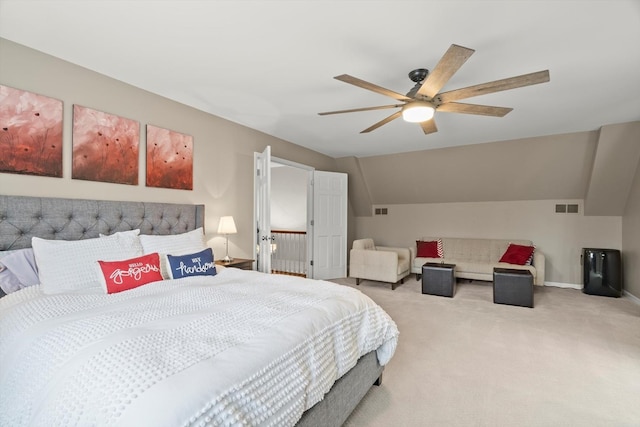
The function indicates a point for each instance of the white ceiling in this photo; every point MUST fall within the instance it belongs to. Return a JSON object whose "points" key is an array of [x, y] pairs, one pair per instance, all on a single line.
{"points": [[269, 65]]}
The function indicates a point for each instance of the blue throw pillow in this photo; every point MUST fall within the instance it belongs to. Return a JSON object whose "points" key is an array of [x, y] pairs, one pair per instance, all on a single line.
{"points": [[197, 264]]}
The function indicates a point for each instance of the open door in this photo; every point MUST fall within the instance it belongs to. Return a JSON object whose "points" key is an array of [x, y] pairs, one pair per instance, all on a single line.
{"points": [[329, 225], [262, 210]]}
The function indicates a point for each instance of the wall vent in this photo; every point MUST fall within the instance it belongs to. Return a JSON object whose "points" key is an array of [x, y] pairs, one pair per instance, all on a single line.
{"points": [[570, 208], [381, 211]]}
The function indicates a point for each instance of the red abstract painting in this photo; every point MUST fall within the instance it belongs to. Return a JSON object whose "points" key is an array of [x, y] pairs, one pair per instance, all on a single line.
{"points": [[105, 147], [169, 159], [30, 133]]}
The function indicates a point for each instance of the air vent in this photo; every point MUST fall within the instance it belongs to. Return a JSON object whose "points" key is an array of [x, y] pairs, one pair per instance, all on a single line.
{"points": [[569, 208]]}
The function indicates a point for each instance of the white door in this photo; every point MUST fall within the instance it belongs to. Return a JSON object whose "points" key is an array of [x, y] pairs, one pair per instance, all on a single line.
{"points": [[262, 210], [329, 225]]}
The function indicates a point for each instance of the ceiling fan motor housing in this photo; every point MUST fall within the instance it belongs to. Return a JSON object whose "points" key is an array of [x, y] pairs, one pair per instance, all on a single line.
{"points": [[418, 75]]}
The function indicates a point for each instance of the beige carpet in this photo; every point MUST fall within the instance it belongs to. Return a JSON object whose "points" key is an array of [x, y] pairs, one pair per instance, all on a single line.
{"points": [[573, 360]]}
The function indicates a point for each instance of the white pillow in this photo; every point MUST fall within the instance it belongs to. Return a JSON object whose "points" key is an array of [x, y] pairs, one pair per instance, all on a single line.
{"points": [[18, 270], [174, 244], [65, 266]]}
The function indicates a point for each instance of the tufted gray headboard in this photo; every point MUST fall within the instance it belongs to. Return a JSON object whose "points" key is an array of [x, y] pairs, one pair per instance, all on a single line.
{"points": [[22, 218]]}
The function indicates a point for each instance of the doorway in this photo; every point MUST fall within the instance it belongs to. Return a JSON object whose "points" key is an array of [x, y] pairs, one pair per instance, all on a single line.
{"points": [[301, 218], [290, 219]]}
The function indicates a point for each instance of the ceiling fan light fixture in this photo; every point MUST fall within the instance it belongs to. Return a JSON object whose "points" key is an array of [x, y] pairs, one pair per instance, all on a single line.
{"points": [[417, 112]]}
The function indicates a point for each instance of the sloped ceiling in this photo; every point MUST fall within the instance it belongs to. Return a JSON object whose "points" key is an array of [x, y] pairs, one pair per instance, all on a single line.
{"points": [[527, 169], [614, 169], [270, 65]]}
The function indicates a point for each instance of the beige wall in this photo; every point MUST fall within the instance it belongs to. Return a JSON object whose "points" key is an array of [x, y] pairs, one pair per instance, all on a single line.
{"points": [[289, 198], [631, 239], [223, 175], [223, 151], [559, 236]]}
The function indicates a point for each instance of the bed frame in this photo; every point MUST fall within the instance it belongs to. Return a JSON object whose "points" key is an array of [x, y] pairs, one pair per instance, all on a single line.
{"points": [[22, 218]]}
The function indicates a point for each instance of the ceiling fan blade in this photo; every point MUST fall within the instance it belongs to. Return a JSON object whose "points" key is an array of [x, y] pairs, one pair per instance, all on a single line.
{"points": [[353, 110], [495, 86], [383, 122], [483, 110], [450, 62], [429, 126], [370, 86]]}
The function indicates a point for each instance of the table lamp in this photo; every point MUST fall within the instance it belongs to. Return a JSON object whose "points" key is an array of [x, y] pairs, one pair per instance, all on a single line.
{"points": [[227, 226]]}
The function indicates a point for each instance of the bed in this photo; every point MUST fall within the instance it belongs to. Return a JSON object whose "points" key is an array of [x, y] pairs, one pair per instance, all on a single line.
{"points": [[235, 348]]}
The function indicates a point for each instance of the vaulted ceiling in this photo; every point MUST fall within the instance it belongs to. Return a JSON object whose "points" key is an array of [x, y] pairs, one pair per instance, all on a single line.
{"points": [[270, 65]]}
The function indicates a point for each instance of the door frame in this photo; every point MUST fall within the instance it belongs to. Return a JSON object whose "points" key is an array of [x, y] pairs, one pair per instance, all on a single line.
{"points": [[310, 170], [309, 195]]}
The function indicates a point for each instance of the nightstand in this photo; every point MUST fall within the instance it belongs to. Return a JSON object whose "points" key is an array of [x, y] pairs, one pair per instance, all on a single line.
{"points": [[241, 263]]}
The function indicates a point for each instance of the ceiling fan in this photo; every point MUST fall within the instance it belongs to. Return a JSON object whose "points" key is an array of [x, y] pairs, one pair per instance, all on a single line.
{"points": [[423, 100]]}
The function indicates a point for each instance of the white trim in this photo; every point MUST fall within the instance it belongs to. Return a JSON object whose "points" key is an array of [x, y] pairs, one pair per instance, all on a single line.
{"points": [[275, 161], [626, 294], [564, 285], [632, 297]]}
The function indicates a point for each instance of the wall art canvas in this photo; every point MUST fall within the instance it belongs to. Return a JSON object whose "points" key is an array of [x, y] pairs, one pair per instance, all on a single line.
{"points": [[105, 147], [30, 133], [169, 159]]}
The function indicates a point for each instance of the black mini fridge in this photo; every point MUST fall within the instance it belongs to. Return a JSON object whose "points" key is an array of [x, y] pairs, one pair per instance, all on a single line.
{"points": [[602, 272]]}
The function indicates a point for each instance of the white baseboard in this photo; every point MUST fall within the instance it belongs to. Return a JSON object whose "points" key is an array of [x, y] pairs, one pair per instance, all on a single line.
{"points": [[564, 285], [632, 297], [626, 294]]}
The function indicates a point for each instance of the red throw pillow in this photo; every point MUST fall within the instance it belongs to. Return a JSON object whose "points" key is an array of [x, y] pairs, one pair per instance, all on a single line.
{"points": [[517, 254], [427, 249], [128, 274]]}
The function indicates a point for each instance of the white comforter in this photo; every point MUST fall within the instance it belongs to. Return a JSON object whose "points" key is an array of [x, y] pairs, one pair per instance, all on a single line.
{"points": [[240, 348]]}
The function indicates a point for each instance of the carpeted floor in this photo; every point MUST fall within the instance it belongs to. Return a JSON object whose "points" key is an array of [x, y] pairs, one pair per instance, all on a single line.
{"points": [[572, 360]]}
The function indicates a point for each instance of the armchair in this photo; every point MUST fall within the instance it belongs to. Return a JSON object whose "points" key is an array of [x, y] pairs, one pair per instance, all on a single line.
{"points": [[381, 263]]}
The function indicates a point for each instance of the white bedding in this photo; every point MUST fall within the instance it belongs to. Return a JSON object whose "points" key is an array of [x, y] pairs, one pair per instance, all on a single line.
{"points": [[239, 348]]}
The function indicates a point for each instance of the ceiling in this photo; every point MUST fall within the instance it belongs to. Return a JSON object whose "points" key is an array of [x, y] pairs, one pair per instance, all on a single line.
{"points": [[269, 65]]}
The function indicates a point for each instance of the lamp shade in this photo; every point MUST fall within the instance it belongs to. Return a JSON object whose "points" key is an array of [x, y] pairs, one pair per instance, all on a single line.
{"points": [[417, 111], [227, 225]]}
